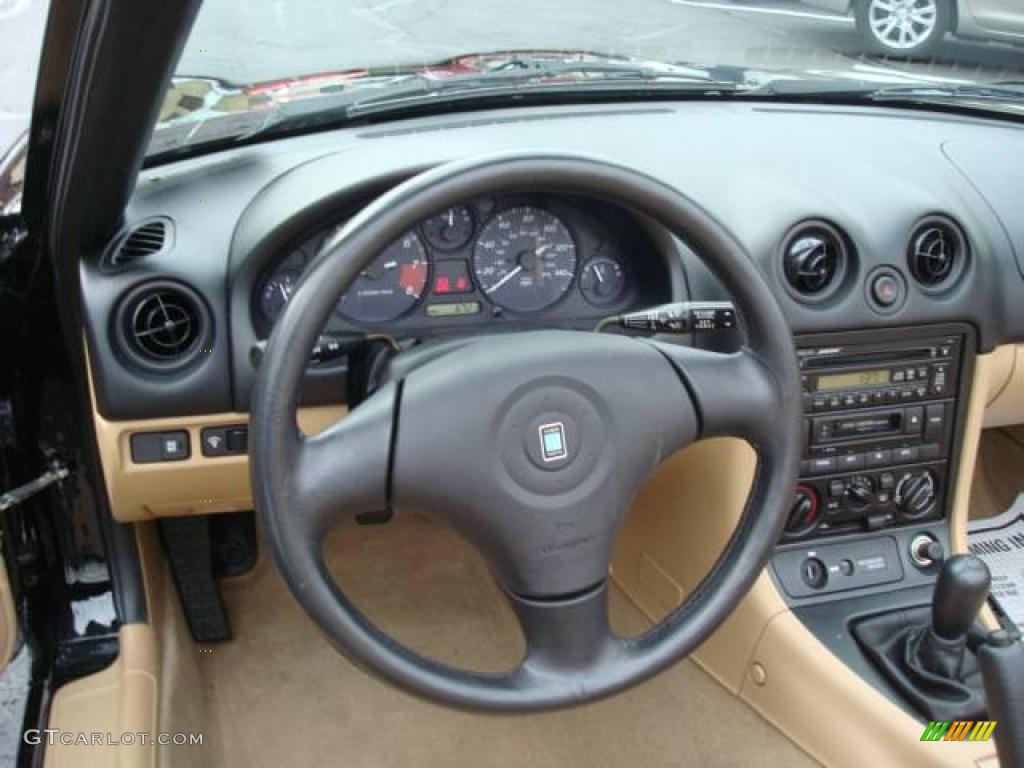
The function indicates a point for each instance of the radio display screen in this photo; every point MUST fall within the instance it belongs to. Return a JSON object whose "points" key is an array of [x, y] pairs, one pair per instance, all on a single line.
{"points": [[853, 380]]}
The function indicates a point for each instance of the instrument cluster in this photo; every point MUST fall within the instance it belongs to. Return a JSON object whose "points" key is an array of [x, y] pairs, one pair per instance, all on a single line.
{"points": [[522, 259]]}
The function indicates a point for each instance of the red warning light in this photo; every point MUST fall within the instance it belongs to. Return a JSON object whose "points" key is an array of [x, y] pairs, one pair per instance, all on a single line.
{"points": [[442, 284]]}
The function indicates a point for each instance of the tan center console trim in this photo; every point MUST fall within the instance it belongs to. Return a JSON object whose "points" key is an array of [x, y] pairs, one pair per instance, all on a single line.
{"points": [[763, 652], [1006, 390]]}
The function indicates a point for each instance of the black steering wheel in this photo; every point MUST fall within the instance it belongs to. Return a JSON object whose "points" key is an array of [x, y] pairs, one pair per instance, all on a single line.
{"points": [[531, 445]]}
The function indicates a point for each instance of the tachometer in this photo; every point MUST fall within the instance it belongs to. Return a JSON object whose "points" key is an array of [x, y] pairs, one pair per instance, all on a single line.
{"points": [[390, 286], [524, 259]]}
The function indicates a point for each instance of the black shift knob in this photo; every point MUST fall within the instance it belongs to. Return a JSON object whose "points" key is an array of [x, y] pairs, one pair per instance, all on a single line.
{"points": [[959, 594]]}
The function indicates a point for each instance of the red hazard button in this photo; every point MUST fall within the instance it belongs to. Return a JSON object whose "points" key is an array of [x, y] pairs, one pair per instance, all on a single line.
{"points": [[886, 290]]}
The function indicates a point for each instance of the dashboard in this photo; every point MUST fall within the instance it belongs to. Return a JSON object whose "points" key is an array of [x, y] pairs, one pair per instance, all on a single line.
{"points": [[517, 261], [924, 233]]}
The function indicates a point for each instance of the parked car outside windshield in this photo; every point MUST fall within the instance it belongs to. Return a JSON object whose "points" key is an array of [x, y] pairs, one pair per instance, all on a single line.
{"points": [[261, 66]]}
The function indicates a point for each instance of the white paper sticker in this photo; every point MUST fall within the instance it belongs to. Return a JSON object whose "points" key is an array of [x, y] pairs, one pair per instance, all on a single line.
{"points": [[999, 541]]}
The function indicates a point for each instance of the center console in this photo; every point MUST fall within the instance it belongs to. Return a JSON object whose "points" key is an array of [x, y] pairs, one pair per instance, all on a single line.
{"points": [[881, 416]]}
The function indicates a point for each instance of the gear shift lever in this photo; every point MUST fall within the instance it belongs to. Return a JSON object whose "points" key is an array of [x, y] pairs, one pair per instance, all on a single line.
{"points": [[959, 594], [924, 652]]}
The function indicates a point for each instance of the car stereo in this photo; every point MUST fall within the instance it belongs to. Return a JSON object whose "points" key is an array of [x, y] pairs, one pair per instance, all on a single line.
{"points": [[879, 425]]}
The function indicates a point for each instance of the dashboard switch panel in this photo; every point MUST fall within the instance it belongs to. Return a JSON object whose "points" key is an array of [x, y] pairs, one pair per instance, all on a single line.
{"points": [[152, 447], [828, 568], [225, 441]]}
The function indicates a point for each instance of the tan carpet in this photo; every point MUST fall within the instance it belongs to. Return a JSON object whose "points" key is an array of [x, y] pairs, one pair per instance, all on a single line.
{"points": [[280, 696], [999, 473]]}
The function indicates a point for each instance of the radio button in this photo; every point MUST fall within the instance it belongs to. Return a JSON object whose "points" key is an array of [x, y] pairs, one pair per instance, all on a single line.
{"points": [[836, 488], [930, 451], [819, 403], [887, 481], [898, 376], [851, 461], [849, 400], [863, 398], [906, 394], [834, 402], [823, 429], [913, 420], [823, 465], [935, 421], [878, 458], [904, 455]]}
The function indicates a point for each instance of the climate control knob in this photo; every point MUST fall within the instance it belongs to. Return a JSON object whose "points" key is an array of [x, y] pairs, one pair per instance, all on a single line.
{"points": [[916, 492], [803, 515], [860, 493]]}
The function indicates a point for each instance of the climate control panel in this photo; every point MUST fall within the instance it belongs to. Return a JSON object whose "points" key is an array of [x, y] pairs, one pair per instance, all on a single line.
{"points": [[867, 500]]}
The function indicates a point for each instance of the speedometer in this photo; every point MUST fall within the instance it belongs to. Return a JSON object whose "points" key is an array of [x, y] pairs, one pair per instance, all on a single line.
{"points": [[524, 259], [390, 286]]}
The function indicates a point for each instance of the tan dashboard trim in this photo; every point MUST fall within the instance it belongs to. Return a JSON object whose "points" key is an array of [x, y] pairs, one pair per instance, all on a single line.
{"points": [[196, 486], [763, 652]]}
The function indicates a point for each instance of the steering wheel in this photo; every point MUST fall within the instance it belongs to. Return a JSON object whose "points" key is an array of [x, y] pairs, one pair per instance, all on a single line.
{"points": [[531, 445]]}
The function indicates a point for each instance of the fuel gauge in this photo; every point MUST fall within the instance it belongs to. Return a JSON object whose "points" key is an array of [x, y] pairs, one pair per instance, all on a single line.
{"points": [[602, 281]]}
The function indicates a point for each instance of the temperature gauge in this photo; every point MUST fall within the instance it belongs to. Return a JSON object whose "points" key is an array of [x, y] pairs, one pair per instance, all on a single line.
{"points": [[277, 291], [602, 281]]}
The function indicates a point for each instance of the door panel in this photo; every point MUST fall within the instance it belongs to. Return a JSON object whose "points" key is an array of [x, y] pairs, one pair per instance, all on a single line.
{"points": [[1005, 17], [8, 618]]}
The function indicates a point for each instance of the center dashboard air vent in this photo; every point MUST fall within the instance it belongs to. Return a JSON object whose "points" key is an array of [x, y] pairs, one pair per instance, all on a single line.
{"points": [[936, 253], [162, 326], [814, 260], [141, 239]]}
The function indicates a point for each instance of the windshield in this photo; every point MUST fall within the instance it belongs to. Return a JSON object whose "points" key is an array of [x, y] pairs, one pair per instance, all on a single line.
{"points": [[261, 66]]}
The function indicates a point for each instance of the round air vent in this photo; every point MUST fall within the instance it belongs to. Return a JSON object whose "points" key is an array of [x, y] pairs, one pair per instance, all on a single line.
{"points": [[937, 253], [162, 325], [814, 260]]}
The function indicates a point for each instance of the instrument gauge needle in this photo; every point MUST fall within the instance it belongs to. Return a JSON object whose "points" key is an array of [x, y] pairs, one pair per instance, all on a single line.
{"points": [[505, 279]]}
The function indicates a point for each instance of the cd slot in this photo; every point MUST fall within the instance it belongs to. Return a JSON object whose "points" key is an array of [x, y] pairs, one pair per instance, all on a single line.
{"points": [[873, 357]]}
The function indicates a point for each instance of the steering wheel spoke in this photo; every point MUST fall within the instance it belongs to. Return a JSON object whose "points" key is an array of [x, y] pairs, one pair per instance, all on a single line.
{"points": [[343, 471], [567, 636], [735, 394]]}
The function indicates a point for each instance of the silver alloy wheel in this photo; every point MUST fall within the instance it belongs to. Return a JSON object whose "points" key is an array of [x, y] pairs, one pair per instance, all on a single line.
{"points": [[902, 24]]}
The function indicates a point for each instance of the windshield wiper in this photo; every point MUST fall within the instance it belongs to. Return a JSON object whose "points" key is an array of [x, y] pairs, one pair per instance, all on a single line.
{"points": [[1010, 93], [517, 77]]}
